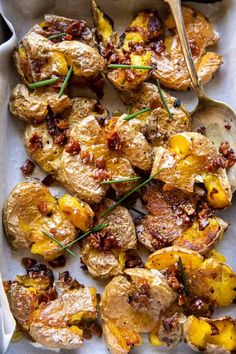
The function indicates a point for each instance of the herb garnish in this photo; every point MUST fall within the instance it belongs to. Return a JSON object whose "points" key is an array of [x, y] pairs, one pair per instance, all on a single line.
{"points": [[57, 35], [183, 276], [65, 82], [43, 83], [49, 235], [120, 180], [135, 114], [163, 99]]}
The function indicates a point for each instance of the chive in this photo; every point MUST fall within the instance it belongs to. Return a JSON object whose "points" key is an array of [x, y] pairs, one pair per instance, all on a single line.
{"points": [[129, 108], [120, 180], [120, 201], [43, 83], [57, 35], [183, 276], [58, 242], [129, 66], [96, 228], [135, 114], [163, 99], [65, 83]]}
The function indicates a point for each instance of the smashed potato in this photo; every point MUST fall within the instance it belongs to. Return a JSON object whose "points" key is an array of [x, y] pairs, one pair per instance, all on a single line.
{"points": [[31, 209], [132, 304], [176, 219], [171, 68], [211, 335], [207, 279], [39, 57], [189, 159], [157, 126], [103, 253], [51, 319]]}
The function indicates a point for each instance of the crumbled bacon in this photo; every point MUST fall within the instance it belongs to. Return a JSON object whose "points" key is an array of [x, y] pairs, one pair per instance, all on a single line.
{"points": [[58, 262], [131, 75], [136, 47], [63, 124], [35, 142], [170, 323], [66, 281], [103, 240], [43, 208], [215, 163], [159, 240], [140, 299], [48, 180], [158, 47], [48, 295], [76, 28], [114, 142], [199, 307], [28, 168], [90, 328], [28, 262], [101, 175], [203, 215], [100, 163], [214, 330], [228, 154], [73, 146], [154, 23], [133, 260], [86, 156], [40, 270], [228, 126], [53, 125]]}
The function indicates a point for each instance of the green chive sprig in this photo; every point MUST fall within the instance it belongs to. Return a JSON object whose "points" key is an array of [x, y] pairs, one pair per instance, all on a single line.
{"points": [[57, 35], [96, 228], [49, 235], [120, 201], [43, 83], [130, 66], [65, 82], [120, 180], [163, 99], [135, 114], [183, 276]]}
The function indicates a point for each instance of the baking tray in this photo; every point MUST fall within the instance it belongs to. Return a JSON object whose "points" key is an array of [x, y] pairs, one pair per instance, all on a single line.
{"points": [[22, 15]]}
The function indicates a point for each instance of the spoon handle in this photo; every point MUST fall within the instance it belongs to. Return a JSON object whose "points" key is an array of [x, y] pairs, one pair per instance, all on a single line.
{"points": [[175, 7]]}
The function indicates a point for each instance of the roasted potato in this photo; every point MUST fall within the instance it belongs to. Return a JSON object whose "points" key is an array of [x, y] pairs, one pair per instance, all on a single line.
{"points": [[104, 252], [177, 218], [52, 320], [189, 159], [132, 304], [39, 58], [207, 279], [171, 68], [31, 209], [33, 107], [157, 126], [216, 335]]}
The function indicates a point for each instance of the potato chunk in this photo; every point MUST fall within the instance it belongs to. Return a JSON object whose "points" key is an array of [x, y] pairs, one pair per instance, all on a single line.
{"points": [[213, 335], [188, 160]]}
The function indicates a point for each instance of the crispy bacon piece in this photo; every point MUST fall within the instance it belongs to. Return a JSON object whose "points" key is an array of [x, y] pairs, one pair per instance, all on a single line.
{"points": [[28, 168]]}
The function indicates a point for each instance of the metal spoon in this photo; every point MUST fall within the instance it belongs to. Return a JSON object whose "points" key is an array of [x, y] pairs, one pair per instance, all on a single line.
{"points": [[214, 115]]}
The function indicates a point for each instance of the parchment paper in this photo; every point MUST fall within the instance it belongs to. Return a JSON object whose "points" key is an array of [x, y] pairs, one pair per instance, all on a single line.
{"points": [[23, 14]]}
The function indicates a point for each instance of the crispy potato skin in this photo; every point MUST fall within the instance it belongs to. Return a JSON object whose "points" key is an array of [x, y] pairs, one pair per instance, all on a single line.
{"points": [[52, 322], [107, 263], [186, 161], [31, 208], [213, 335], [172, 71], [114, 303], [156, 125]]}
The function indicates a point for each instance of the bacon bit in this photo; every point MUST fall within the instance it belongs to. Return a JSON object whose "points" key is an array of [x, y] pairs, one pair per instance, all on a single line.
{"points": [[66, 281], [35, 142], [76, 28], [213, 191], [86, 156], [215, 163], [201, 130], [28, 168], [60, 139], [158, 47], [159, 241], [90, 328], [136, 47], [40, 270], [63, 124], [133, 260], [48, 295], [28, 262], [73, 147], [114, 142], [108, 50], [58, 134], [203, 215], [173, 281], [58, 262], [228, 154], [227, 126], [199, 307], [68, 37], [181, 300], [130, 75], [170, 323], [140, 299], [154, 23], [214, 330], [48, 180], [103, 240], [100, 163], [101, 175], [156, 103], [43, 208]]}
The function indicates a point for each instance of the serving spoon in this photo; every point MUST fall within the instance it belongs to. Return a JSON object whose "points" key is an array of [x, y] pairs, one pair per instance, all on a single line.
{"points": [[218, 118]]}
